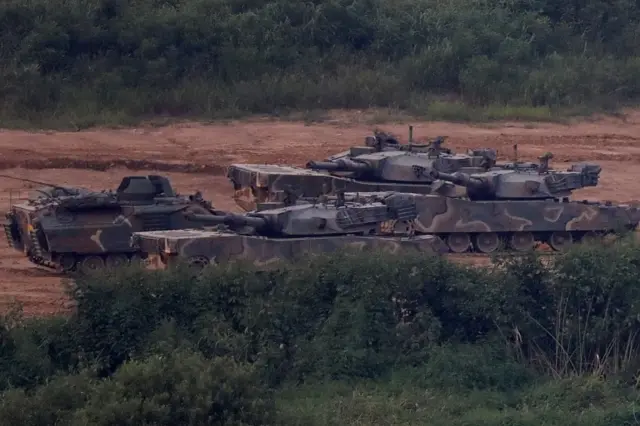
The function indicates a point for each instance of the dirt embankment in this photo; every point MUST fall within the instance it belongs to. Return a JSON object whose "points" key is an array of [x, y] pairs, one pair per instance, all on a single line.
{"points": [[195, 157]]}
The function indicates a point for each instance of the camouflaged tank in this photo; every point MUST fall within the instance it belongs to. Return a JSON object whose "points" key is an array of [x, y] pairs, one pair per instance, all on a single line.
{"points": [[383, 164], [64, 227], [517, 208], [478, 159], [385, 170], [287, 232]]}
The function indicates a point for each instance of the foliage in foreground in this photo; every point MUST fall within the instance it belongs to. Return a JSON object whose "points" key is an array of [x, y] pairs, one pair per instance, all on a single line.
{"points": [[346, 339], [80, 62]]}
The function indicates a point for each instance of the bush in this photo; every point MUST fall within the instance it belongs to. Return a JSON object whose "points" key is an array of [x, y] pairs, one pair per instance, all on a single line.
{"points": [[80, 62], [161, 347], [181, 388]]}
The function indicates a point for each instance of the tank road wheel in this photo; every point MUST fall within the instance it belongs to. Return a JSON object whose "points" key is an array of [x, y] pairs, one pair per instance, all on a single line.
{"points": [[560, 240], [135, 259], [67, 262], [91, 263], [458, 243], [487, 242], [521, 241], [198, 262], [116, 260]]}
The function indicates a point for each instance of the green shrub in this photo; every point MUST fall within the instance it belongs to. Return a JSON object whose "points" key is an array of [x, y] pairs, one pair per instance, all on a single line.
{"points": [[53, 403], [181, 388], [156, 347], [32, 350], [80, 62]]}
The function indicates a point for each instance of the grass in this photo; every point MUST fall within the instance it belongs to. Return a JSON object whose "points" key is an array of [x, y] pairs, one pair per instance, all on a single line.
{"points": [[348, 339], [76, 64], [394, 402], [449, 111]]}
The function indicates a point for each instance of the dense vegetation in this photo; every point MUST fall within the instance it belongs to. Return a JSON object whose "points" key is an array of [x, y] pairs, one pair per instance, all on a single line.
{"points": [[84, 61], [350, 339]]}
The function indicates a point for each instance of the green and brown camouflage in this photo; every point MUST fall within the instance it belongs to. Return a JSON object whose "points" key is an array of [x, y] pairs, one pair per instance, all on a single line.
{"points": [[395, 169], [475, 160], [256, 184], [526, 184], [514, 225], [337, 216], [290, 231], [90, 229], [486, 226], [517, 209], [403, 166], [380, 166], [200, 248]]}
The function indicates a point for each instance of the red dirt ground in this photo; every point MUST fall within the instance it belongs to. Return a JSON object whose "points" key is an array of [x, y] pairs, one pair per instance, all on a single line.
{"points": [[195, 156]]}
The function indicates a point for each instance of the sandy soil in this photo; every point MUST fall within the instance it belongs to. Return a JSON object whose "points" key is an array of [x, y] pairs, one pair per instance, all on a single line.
{"points": [[195, 156]]}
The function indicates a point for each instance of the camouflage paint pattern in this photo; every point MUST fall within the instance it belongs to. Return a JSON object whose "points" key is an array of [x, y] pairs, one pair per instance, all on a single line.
{"points": [[524, 184], [91, 229], [381, 141], [402, 166], [392, 169], [286, 232], [444, 215], [202, 247], [320, 218], [515, 223], [260, 183]]}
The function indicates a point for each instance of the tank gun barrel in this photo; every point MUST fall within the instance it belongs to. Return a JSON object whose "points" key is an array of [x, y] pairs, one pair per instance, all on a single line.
{"points": [[62, 188], [229, 219], [462, 179], [341, 165]]}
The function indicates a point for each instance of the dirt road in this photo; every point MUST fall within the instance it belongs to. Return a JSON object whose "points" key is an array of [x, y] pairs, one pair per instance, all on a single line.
{"points": [[195, 156]]}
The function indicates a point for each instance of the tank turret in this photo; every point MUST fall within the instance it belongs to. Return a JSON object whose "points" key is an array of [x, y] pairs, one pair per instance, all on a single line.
{"points": [[519, 184], [384, 141], [395, 166], [287, 232], [332, 217]]}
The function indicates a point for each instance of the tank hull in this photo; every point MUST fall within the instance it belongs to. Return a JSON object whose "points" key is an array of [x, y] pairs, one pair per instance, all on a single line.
{"points": [[202, 247], [518, 225]]}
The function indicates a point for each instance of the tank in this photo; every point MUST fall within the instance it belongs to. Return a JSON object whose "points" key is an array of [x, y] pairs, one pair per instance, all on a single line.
{"points": [[389, 167], [287, 232], [79, 229], [516, 209], [382, 165]]}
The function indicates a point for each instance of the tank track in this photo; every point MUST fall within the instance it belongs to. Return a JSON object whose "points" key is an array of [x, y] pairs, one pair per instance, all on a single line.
{"points": [[35, 254], [484, 244], [9, 235], [84, 263]]}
